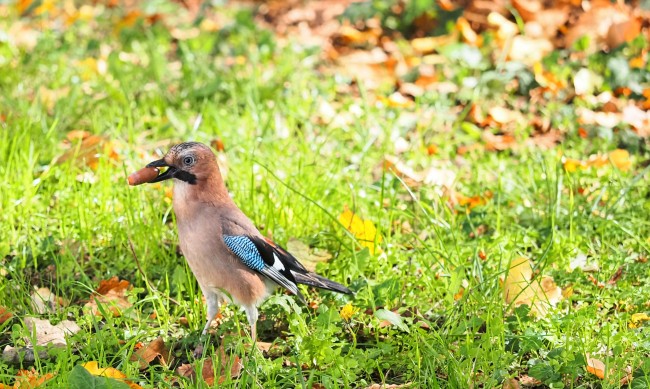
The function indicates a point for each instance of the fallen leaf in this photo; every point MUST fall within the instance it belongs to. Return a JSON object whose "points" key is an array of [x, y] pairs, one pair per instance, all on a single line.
{"points": [[436, 176], [391, 318], [529, 50], [430, 44], [526, 380], [309, 257], [5, 314], [510, 383], [638, 119], [29, 379], [467, 33], [89, 151], [45, 333], [208, 369], [111, 294], [637, 319], [473, 201], [154, 350], [388, 386], [44, 301], [621, 159], [521, 287], [109, 372], [396, 100], [616, 276], [502, 115], [580, 262], [363, 230], [595, 367]]}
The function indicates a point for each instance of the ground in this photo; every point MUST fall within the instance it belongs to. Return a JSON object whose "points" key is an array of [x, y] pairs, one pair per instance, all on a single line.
{"points": [[490, 215]]}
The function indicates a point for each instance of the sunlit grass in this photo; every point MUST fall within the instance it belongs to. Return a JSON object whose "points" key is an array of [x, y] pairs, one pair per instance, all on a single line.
{"points": [[293, 170]]}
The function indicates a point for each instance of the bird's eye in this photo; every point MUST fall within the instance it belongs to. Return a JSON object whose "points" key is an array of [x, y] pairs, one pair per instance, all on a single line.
{"points": [[188, 161]]}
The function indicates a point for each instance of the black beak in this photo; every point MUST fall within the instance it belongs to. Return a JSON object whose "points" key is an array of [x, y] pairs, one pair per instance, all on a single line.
{"points": [[169, 173]]}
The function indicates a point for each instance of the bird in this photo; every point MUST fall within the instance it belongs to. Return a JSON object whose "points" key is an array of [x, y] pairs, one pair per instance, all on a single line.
{"points": [[231, 260]]}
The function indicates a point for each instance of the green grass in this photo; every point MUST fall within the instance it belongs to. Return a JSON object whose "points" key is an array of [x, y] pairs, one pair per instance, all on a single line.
{"points": [[293, 173]]}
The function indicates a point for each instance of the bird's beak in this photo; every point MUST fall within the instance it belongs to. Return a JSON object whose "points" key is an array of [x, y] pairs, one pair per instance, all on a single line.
{"points": [[167, 174]]}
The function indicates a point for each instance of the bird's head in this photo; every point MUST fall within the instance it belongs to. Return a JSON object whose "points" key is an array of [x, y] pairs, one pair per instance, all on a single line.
{"points": [[189, 162]]}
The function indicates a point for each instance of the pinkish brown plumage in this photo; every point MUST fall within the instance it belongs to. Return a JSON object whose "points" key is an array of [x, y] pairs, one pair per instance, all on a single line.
{"points": [[229, 257]]}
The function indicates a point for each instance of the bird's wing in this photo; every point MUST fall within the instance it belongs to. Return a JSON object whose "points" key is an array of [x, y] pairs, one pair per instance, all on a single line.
{"points": [[303, 276], [260, 256]]}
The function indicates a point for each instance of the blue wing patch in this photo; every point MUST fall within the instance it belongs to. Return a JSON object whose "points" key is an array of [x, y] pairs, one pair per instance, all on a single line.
{"points": [[246, 250], [252, 251]]}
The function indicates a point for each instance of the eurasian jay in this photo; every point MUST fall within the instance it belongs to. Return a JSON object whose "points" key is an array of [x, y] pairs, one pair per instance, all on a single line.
{"points": [[229, 257]]}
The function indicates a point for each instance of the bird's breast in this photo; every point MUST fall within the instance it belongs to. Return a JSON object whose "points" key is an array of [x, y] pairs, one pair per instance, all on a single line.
{"points": [[214, 265]]}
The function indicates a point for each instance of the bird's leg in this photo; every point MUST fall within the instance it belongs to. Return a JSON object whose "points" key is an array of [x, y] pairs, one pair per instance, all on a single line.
{"points": [[213, 301], [251, 315]]}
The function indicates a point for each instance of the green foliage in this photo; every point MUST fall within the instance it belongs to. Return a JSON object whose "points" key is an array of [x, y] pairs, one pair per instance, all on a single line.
{"points": [[429, 307]]}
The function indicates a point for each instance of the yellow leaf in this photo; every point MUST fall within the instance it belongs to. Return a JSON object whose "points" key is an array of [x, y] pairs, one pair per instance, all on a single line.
{"points": [[637, 319], [363, 230], [522, 287], [621, 159], [110, 372], [571, 165]]}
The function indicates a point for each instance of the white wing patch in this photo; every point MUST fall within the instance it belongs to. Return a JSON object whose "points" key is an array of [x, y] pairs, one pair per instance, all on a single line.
{"points": [[277, 263]]}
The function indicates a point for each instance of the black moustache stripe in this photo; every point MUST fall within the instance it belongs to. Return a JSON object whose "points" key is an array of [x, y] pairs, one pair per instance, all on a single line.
{"points": [[185, 176]]}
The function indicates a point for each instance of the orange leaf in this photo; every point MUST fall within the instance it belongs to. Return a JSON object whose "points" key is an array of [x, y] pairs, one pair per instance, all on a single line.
{"points": [[596, 367], [111, 293], [467, 33], [5, 314], [154, 350], [29, 379]]}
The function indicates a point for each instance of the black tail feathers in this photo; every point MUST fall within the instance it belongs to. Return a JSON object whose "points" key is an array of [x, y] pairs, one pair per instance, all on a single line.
{"points": [[313, 279]]}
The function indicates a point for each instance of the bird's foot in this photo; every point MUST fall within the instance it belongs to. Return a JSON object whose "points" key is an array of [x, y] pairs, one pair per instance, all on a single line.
{"points": [[198, 351]]}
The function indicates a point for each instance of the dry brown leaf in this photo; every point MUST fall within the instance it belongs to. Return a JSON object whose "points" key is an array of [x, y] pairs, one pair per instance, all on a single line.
{"points": [[511, 383], [638, 119], [5, 314], [502, 116], [526, 380], [434, 176], [306, 255], [154, 350], [529, 50], [44, 301], [112, 295], [616, 276], [207, 371], [89, 151], [522, 287], [498, 142], [598, 20], [45, 333]]}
